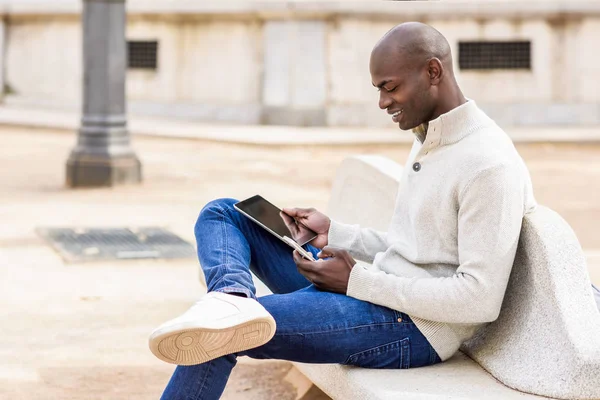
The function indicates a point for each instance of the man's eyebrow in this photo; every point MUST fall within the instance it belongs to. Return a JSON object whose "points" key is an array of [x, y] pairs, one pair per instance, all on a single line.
{"points": [[381, 84]]}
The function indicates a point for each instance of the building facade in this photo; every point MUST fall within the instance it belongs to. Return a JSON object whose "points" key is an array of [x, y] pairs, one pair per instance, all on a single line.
{"points": [[306, 62]]}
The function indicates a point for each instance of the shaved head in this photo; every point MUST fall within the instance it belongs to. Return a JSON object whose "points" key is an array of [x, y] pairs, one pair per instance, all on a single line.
{"points": [[416, 42], [411, 65]]}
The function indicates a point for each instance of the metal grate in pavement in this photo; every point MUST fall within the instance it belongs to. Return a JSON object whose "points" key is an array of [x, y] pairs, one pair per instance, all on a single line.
{"points": [[96, 244]]}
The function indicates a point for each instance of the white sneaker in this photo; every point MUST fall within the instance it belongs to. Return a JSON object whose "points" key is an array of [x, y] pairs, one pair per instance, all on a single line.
{"points": [[217, 325]]}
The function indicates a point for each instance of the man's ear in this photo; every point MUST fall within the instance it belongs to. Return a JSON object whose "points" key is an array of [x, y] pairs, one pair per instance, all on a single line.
{"points": [[435, 71]]}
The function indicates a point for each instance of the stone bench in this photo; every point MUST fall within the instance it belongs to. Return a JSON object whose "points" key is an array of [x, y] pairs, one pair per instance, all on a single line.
{"points": [[546, 340]]}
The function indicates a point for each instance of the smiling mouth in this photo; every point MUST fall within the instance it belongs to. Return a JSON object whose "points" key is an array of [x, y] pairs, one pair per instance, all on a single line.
{"points": [[396, 115]]}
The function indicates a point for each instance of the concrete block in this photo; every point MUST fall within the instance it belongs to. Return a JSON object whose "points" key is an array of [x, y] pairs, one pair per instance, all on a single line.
{"points": [[295, 64], [546, 339], [593, 261], [299, 381], [309, 68], [596, 295], [458, 378], [365, 183], [276, 82]]}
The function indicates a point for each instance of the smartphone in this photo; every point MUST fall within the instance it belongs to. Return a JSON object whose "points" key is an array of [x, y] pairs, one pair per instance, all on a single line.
{"points": [[278, 223]]}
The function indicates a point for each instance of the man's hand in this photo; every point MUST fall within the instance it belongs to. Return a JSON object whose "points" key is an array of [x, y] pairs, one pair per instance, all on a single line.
{"points": [[312, 219], [332, 274]]}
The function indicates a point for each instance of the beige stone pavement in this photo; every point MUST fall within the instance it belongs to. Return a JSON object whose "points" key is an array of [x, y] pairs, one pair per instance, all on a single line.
{"points": [[79, 331]]}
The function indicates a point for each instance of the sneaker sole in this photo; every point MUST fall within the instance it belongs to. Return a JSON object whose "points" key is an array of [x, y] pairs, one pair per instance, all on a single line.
{"points": [[191, 346]]}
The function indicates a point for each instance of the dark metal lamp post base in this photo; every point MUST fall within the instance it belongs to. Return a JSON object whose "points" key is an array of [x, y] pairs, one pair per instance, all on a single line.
{"points": [[85, 170]]}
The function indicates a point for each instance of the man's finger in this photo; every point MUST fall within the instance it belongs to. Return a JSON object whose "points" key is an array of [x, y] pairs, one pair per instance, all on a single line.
{"points": [[296, 256], [298, 212], [299, 260], [302, 263], [294, 212], [327, 252], [308, 274]]}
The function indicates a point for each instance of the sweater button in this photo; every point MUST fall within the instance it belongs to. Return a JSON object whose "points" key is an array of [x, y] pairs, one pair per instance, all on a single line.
{"points": [[416, 167]]}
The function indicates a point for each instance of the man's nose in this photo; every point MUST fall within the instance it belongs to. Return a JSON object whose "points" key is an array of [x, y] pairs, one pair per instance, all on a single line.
{"points": [[384, 100]]}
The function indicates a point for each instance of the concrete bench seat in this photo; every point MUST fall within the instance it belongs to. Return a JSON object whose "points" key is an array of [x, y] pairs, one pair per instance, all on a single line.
{"points": [[545, 342]]}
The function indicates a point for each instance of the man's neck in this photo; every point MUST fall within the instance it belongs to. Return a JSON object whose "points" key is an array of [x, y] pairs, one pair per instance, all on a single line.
{"points": [[454, 99], [457, 99]]}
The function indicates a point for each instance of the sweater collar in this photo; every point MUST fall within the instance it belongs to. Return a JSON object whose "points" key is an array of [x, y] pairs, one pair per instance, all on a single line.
{"points": [[453, 126]]}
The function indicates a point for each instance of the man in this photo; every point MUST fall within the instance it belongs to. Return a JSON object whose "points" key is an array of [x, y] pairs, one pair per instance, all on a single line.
{"points": [[404, 298]]}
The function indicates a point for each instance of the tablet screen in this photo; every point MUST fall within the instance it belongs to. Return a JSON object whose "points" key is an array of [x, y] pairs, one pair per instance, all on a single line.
{"points": [[272, 218]]}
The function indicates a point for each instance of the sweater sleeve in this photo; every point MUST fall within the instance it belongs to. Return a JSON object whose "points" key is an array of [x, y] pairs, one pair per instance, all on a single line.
{"points": [[362, 243], [490, 215]]}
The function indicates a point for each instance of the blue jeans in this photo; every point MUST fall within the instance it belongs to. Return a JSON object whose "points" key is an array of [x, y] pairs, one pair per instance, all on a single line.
{"points": [[312, 326]]}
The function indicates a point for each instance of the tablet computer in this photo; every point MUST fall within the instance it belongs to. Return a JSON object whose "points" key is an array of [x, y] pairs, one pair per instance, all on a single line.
{"points": [[277, 222]]}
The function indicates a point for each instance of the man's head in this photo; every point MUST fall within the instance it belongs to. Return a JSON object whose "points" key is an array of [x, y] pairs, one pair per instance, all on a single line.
{"points": [[412, 67]]}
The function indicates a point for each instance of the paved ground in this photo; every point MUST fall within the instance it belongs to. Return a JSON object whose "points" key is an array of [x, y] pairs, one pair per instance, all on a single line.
{"points": [[78, 331]]}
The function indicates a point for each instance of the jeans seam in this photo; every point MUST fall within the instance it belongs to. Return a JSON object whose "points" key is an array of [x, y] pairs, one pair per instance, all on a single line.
{"points": [[340, 329], [224, 231], [208, 370], [405, 353], [379, 349]]}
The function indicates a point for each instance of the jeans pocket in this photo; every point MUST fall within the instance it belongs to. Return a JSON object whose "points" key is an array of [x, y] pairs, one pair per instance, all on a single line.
{"points": [[394, 355]]}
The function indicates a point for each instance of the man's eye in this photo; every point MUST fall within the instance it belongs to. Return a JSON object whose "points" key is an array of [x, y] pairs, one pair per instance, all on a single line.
{"points": [[391, 90]]}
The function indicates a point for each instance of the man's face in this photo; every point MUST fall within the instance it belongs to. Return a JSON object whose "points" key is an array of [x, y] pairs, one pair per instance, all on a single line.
{"points": [[404, 88]]}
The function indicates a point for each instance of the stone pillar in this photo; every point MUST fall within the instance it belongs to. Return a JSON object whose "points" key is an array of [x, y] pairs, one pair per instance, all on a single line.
{"points": [[103, 155]]}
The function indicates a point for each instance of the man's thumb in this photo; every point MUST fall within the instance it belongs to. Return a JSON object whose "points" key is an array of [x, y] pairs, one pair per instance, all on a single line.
{"points": [[326, 252], [294, 212]]}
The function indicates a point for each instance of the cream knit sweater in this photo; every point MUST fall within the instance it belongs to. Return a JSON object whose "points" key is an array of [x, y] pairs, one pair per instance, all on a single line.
{"points": [[447, 255]]}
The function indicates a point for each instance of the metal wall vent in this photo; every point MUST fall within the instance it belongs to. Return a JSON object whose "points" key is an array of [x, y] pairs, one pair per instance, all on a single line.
{"points": [[494, 55], [142, 54], [96, 244]]}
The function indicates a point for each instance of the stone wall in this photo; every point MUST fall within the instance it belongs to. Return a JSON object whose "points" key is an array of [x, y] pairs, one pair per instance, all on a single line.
{"points": [[2, 43], [44, 60], [306, 63]]}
